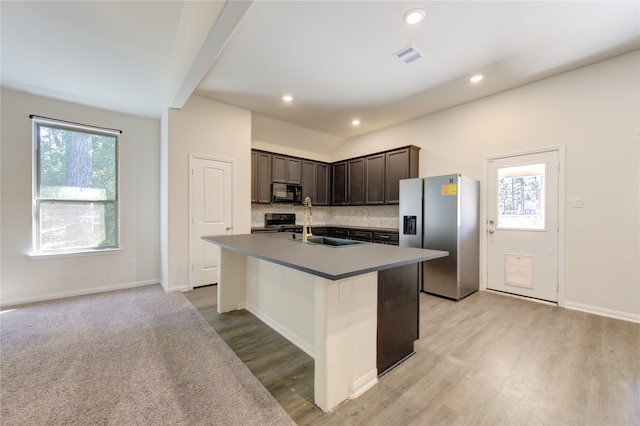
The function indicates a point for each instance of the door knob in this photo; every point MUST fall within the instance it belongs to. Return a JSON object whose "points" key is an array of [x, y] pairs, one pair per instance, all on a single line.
{"points": [[229, 228], [491, 230]]}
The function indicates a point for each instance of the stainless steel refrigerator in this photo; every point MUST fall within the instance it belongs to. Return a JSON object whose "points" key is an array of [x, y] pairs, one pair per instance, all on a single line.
{"points": [[442, 213]]}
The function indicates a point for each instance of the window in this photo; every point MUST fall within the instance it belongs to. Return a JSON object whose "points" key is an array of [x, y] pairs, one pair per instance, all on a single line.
{"points": [[521, 197], [75, 201]]}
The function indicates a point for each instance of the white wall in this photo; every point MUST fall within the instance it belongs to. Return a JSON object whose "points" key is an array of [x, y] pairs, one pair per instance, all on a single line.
{"points": [[23, 279], [284, 138], [595, 112], [214, 130]]}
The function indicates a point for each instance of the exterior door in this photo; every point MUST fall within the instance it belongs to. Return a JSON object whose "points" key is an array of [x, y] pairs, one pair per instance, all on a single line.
{"points": [[523, 225], [211, 200]]}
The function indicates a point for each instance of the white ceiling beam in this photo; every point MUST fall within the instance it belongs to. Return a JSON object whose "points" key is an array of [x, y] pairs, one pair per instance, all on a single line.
{"points": [[221, 32]]}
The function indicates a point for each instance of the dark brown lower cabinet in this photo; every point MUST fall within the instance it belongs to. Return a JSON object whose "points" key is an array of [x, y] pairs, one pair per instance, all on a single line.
{"points": [[398, 315]]}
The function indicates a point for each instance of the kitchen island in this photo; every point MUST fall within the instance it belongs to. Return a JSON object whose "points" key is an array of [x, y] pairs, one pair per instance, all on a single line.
{"points": [[323, 298]]}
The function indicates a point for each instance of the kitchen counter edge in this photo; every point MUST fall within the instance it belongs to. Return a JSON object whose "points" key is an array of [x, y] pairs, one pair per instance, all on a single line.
{"points": [[332, 263]]}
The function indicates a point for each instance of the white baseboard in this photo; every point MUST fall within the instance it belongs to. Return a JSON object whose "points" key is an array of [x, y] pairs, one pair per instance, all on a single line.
{"points": [[625, 316], [82, 292], [284, 331], [363, 384], [181, 288]]}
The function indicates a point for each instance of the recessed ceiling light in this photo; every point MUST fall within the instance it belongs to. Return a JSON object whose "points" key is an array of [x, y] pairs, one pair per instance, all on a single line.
{"points": [[476, 78], [355, 122], [287, 98], [413, 16]]}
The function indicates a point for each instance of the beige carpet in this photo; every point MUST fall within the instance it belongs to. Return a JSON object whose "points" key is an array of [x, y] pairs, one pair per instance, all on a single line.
{"points": [[137, 356]]}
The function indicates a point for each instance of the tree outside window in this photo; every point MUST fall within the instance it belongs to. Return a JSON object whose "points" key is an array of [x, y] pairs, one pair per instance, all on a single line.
{"points": [[521, 203], [75, 194]]}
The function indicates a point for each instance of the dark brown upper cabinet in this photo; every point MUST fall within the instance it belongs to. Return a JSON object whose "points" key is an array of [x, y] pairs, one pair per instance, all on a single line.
{"points": [[339, 183], [286, 169], [323, 185], [355, 184], [371, 180], [400, 164], [294, 171], [375, 179], [260, 177], [309, 187], [254, 177], [279, 168], [315, 182]]}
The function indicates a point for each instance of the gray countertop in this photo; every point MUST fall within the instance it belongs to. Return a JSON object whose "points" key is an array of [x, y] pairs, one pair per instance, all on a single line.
{"points": [[333, 263]]}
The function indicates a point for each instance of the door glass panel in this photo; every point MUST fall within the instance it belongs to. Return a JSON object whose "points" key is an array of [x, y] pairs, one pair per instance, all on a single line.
{"points": [[521, 197]]}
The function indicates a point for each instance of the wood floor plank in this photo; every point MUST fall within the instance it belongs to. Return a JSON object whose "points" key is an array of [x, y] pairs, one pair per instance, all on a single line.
{"points": [[485, 360]]}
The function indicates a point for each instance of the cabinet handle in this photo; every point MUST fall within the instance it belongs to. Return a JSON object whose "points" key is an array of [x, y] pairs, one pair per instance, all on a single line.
{"points": [[384, 236]]}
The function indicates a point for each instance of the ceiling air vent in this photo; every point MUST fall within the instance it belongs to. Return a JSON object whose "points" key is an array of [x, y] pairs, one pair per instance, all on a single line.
{"points": [[409, 54]]}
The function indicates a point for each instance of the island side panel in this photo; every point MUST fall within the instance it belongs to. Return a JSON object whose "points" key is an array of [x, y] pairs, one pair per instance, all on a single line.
{"points": [[232, 281], [283, 298], [345, 341], [398, 314]]}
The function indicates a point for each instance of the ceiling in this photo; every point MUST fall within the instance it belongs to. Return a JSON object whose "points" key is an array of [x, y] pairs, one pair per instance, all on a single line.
{"points": [[336, 58]]}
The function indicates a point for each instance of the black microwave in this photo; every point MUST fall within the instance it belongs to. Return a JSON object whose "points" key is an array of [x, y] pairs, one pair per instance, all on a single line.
{"points": [[286, 193]]}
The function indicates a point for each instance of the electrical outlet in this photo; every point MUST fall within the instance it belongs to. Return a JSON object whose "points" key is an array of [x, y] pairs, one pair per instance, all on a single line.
{"points": [[131, 265]]}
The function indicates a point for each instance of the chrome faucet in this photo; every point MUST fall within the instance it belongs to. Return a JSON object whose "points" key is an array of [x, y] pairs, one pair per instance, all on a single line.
{"points": [[306, 230]]}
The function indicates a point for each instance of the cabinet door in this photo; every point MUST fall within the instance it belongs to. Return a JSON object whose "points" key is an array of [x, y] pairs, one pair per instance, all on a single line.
{"points": [[309, 180], [374, 179], [254, 177], [401, 164], [263, 186], [391, 238], [322, 184], [355, 193], [398, 315], [279, 168], [338, 232], [294, 171], [339, 187], [319, 231], [360, 235]]}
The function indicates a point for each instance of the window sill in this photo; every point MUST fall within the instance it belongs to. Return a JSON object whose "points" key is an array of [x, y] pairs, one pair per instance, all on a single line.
{"points": [[60, 255]]}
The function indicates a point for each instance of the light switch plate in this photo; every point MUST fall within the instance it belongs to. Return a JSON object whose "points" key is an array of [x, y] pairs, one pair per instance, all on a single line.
{"points": [[577, 202]]}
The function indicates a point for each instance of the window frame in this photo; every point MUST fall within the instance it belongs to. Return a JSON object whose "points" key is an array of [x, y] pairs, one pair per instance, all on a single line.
{"points": [[37, 200]]}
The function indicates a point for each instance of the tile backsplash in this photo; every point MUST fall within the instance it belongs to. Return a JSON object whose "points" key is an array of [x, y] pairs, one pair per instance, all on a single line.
{"points": [[373, 216]]}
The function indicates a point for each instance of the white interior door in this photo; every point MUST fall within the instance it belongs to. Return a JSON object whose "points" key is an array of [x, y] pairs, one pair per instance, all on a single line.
{"points": [[211, 201], [523, 225]]}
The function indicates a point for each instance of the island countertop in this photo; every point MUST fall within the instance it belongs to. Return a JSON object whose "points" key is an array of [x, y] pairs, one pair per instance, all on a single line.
{"points": [[333, 263]]}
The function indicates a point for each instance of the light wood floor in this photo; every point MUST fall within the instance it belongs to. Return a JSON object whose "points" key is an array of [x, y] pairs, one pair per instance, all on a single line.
{"points": [[486, 360]]}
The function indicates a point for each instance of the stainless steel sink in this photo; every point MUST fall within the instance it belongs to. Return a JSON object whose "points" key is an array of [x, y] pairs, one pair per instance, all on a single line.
{"points": [[333, 242]]}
